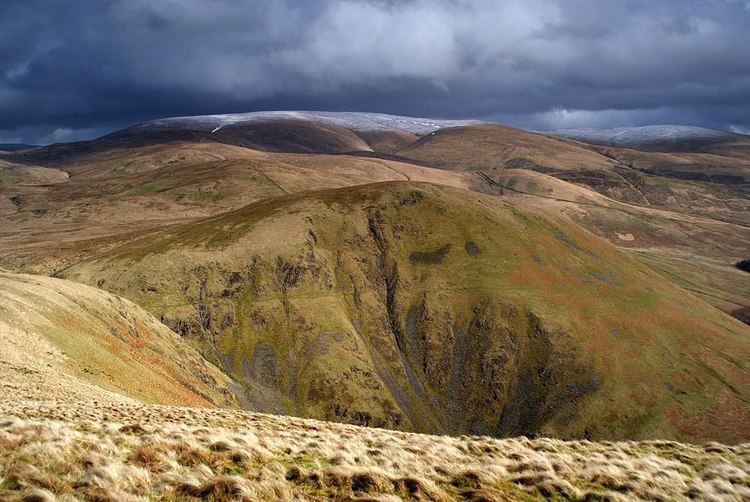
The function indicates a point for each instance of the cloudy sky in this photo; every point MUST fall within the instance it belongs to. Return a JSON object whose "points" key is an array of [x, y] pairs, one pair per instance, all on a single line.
{"points": [[80, 68]]}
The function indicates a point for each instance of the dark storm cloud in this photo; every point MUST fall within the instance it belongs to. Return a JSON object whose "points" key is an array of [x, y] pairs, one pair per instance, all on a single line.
{"points": [[71, 69]]}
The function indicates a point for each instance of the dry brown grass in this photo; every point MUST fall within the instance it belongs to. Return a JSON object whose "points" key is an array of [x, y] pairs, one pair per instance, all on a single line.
{"points": [[130, 451], [487, 146], [114, 193]]}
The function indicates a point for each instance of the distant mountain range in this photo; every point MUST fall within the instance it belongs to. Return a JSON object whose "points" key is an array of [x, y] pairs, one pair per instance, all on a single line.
{"points": [[12, 147], [651, 136], [648, 138]]}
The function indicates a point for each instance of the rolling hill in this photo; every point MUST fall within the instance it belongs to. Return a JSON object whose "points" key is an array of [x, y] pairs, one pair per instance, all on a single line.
{"points": [[670, 181], [299, 132], [705, 167], [353, 121], [144, 219], [494, 146], [685, 212], [436, 309], [94, 200]]}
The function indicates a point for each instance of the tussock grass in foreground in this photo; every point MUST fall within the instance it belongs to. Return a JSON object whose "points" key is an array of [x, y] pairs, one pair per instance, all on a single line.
{"points": [[124, 451]]}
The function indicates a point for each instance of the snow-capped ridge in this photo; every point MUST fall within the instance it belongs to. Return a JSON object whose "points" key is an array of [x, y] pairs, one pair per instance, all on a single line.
{"points": [[356, 121], [643, 135]]}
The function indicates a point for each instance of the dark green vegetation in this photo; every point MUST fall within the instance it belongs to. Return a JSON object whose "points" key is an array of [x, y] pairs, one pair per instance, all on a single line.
{"points": [[437, 309]]}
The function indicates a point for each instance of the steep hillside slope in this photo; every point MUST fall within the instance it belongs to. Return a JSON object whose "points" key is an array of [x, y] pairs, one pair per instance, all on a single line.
{"points": [[697, 203], [434, 309], [696, 253], [123, 451], [65, 341]]}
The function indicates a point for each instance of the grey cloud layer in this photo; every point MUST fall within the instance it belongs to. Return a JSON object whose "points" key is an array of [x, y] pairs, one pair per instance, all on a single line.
{"points": [[72, 69]]}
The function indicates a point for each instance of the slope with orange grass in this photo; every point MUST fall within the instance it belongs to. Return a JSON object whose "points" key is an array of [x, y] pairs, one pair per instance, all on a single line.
{"points": [[65, 341]]}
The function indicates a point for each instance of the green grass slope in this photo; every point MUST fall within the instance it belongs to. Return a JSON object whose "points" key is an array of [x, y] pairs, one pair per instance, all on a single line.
{"points": [[65, 341], [437, 309]]}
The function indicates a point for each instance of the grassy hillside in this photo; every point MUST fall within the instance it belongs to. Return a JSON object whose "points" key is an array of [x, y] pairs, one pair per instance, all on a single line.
{"points": [[117, 189], [673, 204], [113, 193], [688, 166], [437, 309], [64, 341], [694, 183], [490, 146], [29, 175], [697, 253], [123, 451], [646, 202]]}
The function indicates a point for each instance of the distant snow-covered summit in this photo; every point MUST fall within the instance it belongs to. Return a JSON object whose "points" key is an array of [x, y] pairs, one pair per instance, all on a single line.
{"points": [[356, 121], [644, 136]]}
